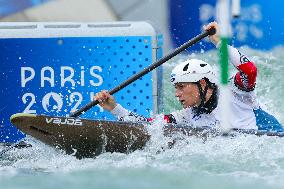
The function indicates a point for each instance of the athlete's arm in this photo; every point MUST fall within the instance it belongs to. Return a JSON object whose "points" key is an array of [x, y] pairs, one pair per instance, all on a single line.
{"points": [[247, 71], [245, 78], [107, 102], [125, 115]]}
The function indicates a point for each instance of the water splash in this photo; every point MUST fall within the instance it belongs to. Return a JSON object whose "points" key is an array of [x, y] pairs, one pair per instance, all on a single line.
{"points": [[229, 162]]}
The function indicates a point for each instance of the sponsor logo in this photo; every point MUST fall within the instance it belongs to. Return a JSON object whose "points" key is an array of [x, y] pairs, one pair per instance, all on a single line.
{"points": [[244, 79], [173, 77], [63, 121], [243, 58]]}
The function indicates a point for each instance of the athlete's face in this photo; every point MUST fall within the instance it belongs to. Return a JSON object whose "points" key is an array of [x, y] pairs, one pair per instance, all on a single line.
{"points": [[188, 94]]}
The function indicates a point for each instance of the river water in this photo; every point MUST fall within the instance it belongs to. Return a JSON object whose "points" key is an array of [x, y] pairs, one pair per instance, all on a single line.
{"points": [[221, 162]]}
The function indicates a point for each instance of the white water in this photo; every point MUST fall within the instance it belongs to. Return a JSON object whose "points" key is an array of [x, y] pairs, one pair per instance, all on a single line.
{"points": [[222, 162]]}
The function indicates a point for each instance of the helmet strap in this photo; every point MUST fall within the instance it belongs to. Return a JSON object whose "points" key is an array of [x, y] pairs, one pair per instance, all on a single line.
{"points": [[202, 94]]}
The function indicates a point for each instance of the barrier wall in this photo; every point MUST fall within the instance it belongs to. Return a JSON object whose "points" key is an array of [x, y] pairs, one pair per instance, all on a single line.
{"points": [[55, 68]]}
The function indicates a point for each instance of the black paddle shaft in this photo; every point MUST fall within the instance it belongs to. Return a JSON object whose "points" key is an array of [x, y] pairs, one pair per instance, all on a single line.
{"points": [[178, 50]]}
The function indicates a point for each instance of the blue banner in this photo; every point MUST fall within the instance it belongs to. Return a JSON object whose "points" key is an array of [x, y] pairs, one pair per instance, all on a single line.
{"points": [[56, 76], [260, 24], [12, 6]]}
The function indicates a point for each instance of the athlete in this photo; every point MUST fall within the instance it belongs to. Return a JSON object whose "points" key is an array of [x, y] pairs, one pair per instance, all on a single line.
{"points": [[197, 90]]}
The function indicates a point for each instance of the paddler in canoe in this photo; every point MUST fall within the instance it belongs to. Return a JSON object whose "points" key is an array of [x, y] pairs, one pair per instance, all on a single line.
{"points": [[196, 88]]}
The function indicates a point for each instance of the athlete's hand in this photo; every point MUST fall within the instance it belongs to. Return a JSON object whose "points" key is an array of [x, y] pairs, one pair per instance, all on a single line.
{"points": [[213, 38], [106, 101]]}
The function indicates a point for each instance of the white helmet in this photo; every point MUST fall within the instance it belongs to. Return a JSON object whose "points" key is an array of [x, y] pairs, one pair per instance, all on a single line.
{"points": [[192, 70]]}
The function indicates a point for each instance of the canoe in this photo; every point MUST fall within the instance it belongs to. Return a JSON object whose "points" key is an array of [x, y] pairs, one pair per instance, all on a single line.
{"points": [[81, 137], [86, 138]]}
